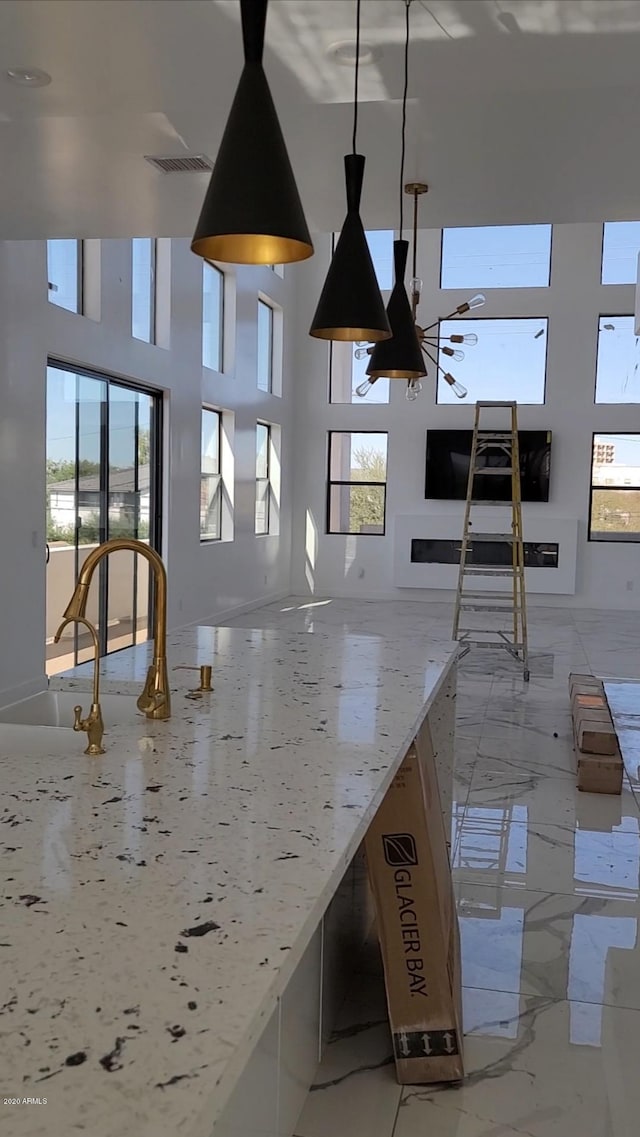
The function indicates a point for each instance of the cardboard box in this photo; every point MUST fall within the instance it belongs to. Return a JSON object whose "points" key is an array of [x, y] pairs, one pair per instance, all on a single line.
{"points": [[577, 680], [599, 774], [417, 922], [581, 702], [595, 737]]}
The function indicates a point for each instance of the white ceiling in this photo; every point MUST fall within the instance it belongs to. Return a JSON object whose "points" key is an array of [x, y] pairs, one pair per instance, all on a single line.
{"points": [[521, 110]]}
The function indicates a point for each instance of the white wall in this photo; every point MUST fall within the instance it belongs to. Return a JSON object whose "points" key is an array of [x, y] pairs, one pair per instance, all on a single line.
{"points": [[204, 580], [608, 575]]}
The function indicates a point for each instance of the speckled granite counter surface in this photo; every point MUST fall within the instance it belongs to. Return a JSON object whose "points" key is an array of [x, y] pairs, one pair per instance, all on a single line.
{"points": [[158, 899]]}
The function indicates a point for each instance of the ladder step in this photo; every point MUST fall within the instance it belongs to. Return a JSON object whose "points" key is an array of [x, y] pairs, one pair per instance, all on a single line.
{"points": [[493, 643], [496, 434], [488, 571], [488, 595], [485, 501], [484, 631], [508, 611], [473, 536], [492, 470], [493, 403]]}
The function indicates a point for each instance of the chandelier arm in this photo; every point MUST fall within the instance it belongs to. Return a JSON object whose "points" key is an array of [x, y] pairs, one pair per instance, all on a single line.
{"points": [[433, 360], [441, 320]]}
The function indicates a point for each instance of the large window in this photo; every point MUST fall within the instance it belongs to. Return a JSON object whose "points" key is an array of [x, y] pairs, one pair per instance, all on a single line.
{"points": [[263, 477], [211, 476], [348, 371], [615, 488], [212, 317], [64, 274], [620, 248], [380, 242], [617, 375], [265, 346], [496, 256], [103, 479], [508, 362], [143, 289], [357, 484]]}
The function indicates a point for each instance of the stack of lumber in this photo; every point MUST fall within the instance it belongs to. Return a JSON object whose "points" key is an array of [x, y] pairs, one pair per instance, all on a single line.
{"points": [[599, 760]]}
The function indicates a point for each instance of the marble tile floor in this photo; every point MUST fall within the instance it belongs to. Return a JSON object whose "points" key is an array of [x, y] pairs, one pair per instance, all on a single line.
{"points": [[548, 889]]}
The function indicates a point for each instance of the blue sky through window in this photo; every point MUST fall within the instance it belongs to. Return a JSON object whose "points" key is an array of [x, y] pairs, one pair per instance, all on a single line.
{"points": [[617, 371], [380, 242], [508, 361], [626, 447], [620, 248], [496, 256]]}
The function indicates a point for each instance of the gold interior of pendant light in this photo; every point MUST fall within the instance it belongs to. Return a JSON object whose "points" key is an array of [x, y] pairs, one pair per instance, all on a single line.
{"points": [[251, 249]]}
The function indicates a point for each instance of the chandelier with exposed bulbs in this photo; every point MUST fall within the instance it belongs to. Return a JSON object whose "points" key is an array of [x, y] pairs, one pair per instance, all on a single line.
{"points": [[429, 338]]}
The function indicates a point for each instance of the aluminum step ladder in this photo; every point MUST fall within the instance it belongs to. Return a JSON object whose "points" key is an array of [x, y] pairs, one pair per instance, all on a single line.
{"points": [[494, 453]]}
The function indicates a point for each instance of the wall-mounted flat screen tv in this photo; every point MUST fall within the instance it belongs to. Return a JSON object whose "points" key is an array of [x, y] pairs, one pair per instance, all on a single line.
{"points": [[449, 454]]}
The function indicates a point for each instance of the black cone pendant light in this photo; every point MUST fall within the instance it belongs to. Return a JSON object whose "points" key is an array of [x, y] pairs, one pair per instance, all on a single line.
{"points": [[401, 356], [252, 213], [350, 305]]}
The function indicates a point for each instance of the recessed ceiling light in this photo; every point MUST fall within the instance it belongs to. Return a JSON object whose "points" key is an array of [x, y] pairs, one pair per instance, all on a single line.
{"points": [[344, 52], [28, 76]]}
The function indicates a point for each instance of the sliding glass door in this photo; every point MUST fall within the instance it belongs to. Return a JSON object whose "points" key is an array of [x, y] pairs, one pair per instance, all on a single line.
{"points": [[103, 480]]}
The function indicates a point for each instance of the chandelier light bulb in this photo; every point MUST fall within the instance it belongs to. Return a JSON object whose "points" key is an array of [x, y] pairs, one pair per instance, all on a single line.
{"points": [[363, 388], [362, 352], [415, 286], [470, 339], [454, 354], [459, 391], [477, 301], [412, 394]]}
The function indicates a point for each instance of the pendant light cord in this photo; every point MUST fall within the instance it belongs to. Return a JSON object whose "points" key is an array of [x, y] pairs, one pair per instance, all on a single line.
{"points": [[355, 94], [404, 113]]}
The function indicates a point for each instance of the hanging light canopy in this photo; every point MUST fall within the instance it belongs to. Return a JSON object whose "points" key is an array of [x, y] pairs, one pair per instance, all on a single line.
{"points": [[350, 305], [252, 212], [400, 357]]}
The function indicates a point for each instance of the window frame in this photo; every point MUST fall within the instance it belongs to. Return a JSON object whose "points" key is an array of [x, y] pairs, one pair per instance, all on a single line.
{"points": [[494, 320], [268, 390], [495, 287], [613, 540], [331, 482], [210, 266], [209, 540], [80, 306], [267, 481]]}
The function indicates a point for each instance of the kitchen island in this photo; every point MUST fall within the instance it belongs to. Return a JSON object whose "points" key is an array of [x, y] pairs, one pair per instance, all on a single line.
{"points": [[166, 912]]}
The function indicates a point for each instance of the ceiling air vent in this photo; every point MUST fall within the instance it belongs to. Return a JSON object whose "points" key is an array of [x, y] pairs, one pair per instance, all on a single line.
{"points": [[183, 164]]}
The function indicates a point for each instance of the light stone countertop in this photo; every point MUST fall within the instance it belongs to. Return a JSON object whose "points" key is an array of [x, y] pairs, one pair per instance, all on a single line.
{"points": [[158, 899]]}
